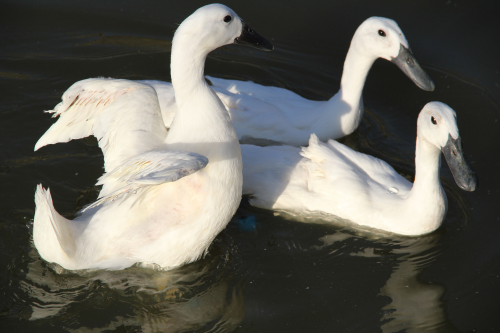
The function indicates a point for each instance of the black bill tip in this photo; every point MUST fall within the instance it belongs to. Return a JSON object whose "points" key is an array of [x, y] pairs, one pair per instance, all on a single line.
{"points": [[250, 37], [464, 177], [409, 65]]}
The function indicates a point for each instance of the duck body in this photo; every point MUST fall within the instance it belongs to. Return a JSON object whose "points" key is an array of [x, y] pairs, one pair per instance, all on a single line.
{"points": [[168, 223], [331, 178], [279, 115], [164, 197]]}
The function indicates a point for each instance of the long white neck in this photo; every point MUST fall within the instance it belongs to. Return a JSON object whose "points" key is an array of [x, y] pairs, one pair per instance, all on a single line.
{"points": [[187, 68], [356, 68], [427, 164], [202, 123], [342, 114], [426, 203]]}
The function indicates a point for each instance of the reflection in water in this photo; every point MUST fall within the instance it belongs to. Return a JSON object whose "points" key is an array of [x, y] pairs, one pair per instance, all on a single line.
{"points": [[199, 295], [416, 305]]}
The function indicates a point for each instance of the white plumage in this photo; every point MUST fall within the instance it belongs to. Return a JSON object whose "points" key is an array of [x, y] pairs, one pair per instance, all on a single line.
{"points": [[123, 115], [164, 197], [277, 114], [331, 178]]}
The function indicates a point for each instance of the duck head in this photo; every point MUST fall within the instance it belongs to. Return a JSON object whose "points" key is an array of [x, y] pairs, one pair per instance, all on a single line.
{"points": [[437, 123], [215, 25], [380, 37]]}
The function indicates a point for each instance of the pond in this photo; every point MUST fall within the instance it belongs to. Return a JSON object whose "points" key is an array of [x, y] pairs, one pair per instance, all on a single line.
{"points": [[265, 272]]}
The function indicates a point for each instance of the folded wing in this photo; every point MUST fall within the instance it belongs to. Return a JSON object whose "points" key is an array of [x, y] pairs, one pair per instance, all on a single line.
{"points": [[338, 161], [148, 169]]}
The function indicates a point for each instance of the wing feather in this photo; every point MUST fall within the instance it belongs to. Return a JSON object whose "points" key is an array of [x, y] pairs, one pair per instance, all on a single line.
{"points": [[342, 162], [123, 115], [148, 169]]}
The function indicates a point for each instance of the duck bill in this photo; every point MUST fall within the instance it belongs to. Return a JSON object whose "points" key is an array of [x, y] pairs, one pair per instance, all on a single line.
{"points": [[409, 65], [252, 38], [464, 177]]}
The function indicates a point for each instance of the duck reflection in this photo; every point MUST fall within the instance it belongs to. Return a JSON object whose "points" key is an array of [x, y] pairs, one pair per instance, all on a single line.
{"points": [[416, 305], [201, 295]]}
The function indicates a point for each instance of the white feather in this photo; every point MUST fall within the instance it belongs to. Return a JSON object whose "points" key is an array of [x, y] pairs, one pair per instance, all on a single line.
{"points": [[124, 116]]}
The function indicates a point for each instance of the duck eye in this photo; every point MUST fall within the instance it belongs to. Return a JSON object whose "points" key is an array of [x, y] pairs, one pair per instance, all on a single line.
{"points": [[381, 33], [227, 18], [434, 120]]}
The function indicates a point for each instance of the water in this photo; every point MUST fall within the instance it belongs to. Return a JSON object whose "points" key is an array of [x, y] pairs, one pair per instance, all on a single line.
{"points": [[264, 272]]}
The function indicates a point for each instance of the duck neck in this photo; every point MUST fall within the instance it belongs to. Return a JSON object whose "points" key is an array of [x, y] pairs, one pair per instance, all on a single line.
{"points": [[201, 116], [427, 165], [422, 209], [202, 124], [356, 67], [342, 114], [187, 70], [426, 203]]}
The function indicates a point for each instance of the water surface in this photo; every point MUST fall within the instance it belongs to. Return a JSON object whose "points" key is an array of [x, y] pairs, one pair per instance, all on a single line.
{"points": [[264, 272]]}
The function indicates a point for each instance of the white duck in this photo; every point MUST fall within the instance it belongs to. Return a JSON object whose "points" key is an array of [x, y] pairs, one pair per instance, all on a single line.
{"points": [[280, 115], [146, 212], [331, 178]]}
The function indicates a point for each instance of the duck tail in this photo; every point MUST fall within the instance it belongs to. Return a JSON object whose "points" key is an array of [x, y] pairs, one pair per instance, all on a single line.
{"points": [[314, 151], [316, 156], [52, 233]]}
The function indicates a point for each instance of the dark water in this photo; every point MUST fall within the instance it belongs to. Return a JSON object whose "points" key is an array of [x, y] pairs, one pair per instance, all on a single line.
{"points": [[264, 273]]}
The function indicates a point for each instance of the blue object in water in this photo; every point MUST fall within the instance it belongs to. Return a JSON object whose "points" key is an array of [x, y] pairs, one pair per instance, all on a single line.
{"points": [[247, 224]]}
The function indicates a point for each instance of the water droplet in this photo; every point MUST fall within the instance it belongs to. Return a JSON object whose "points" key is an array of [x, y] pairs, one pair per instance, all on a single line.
{"points": [[393, 190]]}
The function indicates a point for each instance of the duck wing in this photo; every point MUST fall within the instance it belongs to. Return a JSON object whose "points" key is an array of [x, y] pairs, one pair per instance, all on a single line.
{"points": [[339, 161], [271, 113], [123, 115], [166, 97], [148, 169], [264, 93]]}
